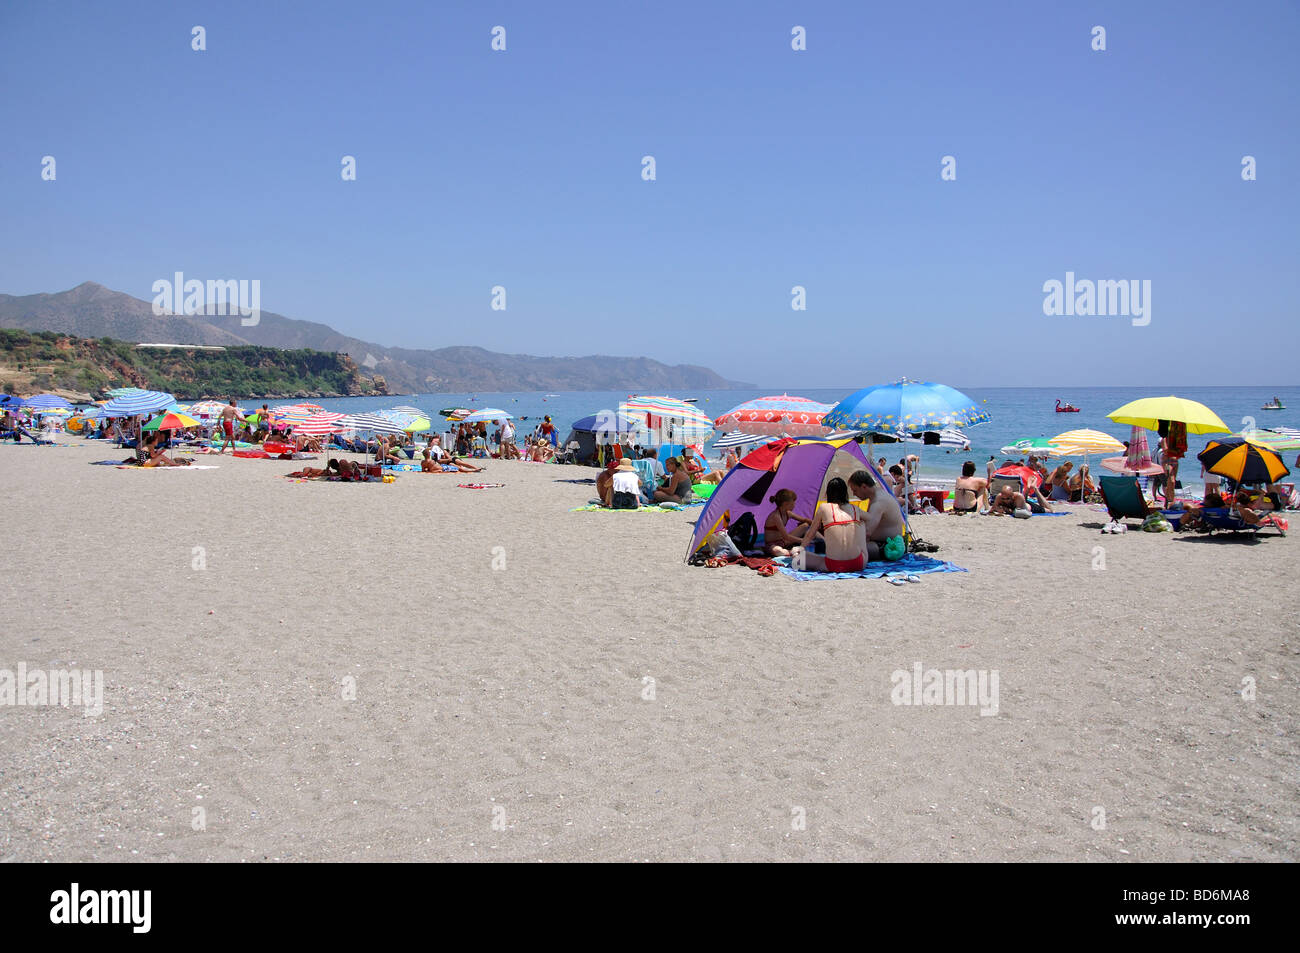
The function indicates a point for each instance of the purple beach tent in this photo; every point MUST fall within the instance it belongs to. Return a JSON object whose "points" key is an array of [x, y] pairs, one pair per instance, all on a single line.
{"points": [[803, 465]]}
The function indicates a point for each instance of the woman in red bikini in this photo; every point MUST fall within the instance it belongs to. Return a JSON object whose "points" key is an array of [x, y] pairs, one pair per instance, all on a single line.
{"points": [[837, 521]]}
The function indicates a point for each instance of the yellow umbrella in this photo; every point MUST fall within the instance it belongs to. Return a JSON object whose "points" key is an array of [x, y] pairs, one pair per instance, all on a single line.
{"points": [[1085, 442], [1149, 411]]}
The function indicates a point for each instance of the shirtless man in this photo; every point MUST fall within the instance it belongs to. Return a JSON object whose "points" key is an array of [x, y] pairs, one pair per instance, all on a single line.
{"points": [[972, 493], [447, 460], [882, 524], [1008, 502], [229, 414]]}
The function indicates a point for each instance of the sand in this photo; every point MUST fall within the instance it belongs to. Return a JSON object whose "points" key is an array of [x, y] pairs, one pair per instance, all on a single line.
{"points": [[504, 713]]}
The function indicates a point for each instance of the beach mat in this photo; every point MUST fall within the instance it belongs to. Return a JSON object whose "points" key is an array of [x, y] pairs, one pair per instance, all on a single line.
{"points": [[912, 564]]}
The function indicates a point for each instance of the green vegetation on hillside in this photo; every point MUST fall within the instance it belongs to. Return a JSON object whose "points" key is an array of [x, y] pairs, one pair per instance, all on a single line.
{"points": [[47, 360]]}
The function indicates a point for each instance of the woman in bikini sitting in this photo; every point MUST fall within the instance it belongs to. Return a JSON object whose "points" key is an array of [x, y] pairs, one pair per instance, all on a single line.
{"points": [[677, 487], [777, 540], [837, 521], [971, 493]]}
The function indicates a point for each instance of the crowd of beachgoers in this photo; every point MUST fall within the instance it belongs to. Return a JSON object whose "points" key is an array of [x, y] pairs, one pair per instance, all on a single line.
{"points": [[857, 518]]}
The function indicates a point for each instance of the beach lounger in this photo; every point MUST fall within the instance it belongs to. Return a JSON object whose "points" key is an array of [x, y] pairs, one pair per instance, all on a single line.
{"points": [[1222, 519], [1124, 499]]}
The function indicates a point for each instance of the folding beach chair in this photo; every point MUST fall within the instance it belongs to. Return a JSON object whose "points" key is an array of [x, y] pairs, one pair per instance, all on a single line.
{"points": [[998, 482], [1123, 497], [1223, 519]]}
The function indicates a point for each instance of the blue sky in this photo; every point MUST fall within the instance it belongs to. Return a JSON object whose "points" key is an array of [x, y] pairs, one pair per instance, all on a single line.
{"points": [[775, 168]]}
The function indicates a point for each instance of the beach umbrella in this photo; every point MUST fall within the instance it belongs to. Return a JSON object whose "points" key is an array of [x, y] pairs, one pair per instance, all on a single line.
{"points": [[486, 414], [738, 439], [171, 421], [1242, 461], [139, 402], [93, 413], [1277, 442], [1137, 461], [369, 423], [319, 425], [405, 409], [675, 421], [1085, 442], [777, 416], [124, 391], [905, 405], [455, 413], [290, 415], [1147, 413], [1039, 446], [43, 402], [411, 421], [10, 401], [206, 408]]}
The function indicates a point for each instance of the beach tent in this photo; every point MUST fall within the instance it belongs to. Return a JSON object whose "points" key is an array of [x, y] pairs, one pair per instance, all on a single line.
{"points": [[804, 465]]}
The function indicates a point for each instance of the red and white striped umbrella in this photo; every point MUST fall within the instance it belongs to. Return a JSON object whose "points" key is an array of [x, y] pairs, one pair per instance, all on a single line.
{"points": [[319, 425]]}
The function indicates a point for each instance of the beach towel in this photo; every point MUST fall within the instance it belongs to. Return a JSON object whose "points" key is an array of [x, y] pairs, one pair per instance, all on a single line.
{"points": [[643, 508], [912, 564], [1050, 514], [478, 486], [193, 466]]}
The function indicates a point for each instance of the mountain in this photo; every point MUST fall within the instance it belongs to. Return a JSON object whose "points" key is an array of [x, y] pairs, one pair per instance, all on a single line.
{"points": [[91, 310], [81, 368]]}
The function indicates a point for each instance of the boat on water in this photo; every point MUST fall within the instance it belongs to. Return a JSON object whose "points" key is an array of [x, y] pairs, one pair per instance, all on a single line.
{"points": [[1066, 408], [1274, 404]]}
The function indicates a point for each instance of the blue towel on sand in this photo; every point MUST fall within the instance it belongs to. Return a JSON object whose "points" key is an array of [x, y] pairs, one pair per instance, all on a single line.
{"points": [[912, 564]]}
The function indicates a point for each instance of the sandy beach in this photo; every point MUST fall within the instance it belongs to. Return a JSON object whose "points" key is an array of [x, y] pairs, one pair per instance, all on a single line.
{"points": [[502, 649]]}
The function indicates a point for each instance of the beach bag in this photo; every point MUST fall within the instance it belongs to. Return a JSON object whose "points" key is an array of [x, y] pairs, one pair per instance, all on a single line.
{"points": [[1156, 523], [744, 532]]}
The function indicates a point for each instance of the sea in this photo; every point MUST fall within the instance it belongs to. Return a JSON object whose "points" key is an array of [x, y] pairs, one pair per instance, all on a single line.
{"points": [[1014, 413]]}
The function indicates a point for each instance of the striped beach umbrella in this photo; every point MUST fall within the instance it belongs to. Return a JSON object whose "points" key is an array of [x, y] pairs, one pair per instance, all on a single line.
{"points": [[738, 439], [369, 423], [1275, 441], [290, 415], [43, 402], [140, 402], [784, 414], [1039, 446], [319, 425], [1085, 443], [675, 420]]}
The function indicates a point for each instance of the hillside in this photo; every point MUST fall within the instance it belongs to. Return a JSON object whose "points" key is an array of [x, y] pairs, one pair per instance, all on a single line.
{"points": [[91, 310], [49, 361]]}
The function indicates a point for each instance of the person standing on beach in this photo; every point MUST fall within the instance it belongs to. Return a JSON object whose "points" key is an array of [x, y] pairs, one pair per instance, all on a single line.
{"points": [[229, 414]]}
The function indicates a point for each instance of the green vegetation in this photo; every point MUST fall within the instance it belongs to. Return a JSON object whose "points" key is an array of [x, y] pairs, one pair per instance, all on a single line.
{"points": [[47, 360]]}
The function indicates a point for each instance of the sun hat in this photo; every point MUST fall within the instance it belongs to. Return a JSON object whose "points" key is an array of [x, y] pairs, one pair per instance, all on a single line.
{"points": [[626, 464]]}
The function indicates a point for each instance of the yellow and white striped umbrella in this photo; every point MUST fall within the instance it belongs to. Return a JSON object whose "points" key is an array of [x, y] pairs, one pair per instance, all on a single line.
{"points": [[1085, 443]]}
